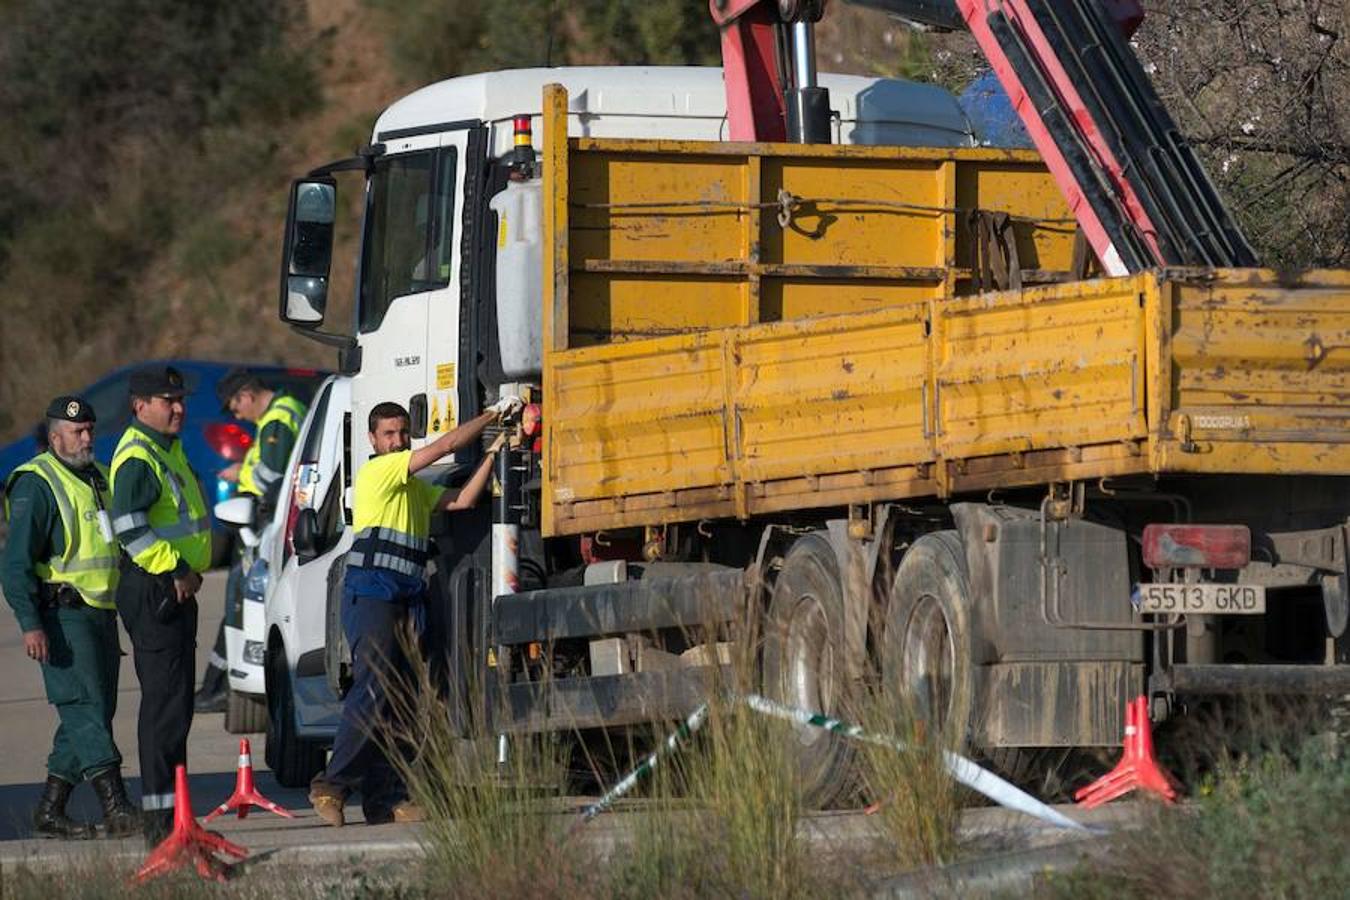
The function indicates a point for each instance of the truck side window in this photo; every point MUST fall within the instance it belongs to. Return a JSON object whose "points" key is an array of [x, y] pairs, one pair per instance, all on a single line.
{"points": [[409, 225], [444, 223]]}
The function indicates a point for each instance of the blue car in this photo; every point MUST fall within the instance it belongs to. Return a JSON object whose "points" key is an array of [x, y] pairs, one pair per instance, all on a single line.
{"points": [[212, 439]]}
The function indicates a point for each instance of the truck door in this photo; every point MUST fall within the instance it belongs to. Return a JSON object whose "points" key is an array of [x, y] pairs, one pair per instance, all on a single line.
{"points": [[409, 294]]}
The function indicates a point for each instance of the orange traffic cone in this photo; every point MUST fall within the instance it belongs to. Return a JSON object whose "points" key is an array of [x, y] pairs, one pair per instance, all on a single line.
{"points": [[188, 842], [245, 794], [1137, 769]]}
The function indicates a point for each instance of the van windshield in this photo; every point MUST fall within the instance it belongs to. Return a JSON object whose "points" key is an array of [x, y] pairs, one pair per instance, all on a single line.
{"points": [[408, 229]]}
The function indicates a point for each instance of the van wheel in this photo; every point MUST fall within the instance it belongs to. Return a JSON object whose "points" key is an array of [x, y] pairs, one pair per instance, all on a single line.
{"points": [[245, 714], [804, 667], [926, 649], [293, 760], [337, 657]]}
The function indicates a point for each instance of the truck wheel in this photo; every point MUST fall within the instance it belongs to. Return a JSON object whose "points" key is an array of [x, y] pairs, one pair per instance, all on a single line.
{"points": [[293, 760], [926, 652], [803, 639], [245, 714], [337, 657]]}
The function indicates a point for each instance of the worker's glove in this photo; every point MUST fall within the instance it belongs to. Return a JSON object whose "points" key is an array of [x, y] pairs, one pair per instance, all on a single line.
{"points": [[506, 406]]}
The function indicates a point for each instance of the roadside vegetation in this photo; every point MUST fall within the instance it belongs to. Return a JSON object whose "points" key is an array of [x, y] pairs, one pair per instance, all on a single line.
{"points": [[1268, 820]]}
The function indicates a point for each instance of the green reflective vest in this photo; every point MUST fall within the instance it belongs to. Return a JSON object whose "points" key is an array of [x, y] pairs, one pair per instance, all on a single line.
{"points": [[89, 562], [177, 519], [255, 477]]}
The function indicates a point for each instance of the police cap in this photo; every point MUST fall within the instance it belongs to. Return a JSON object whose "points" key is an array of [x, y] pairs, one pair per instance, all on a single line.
{"points": [[230, 384], [69, 408], [157, 381]]}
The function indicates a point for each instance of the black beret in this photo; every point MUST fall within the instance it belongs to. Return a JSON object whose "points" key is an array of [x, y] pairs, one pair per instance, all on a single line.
{"points": [[157, 381], [229, 385], [70, 409]]}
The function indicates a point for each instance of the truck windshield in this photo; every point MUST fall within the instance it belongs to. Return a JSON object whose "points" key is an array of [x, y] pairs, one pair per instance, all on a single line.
{"points": [[409, 222]]}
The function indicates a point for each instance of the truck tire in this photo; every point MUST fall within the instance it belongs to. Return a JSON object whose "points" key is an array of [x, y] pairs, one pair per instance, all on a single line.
{"points": [[804, 634], [928, 665], [337, 657], [245, 714], [926, 647], [293, 760]]}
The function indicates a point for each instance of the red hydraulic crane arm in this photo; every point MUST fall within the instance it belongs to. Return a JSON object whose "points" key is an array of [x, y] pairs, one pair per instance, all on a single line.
{"points": [[1089, 175], [751, 67]]}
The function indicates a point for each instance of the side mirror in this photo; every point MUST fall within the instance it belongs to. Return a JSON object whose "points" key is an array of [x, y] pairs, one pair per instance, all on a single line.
{"points": [[308, 253], [305, 537], [237, 511]]}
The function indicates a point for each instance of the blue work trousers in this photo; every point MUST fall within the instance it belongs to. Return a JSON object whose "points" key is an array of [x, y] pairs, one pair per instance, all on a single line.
{"points": [[374, 625]]}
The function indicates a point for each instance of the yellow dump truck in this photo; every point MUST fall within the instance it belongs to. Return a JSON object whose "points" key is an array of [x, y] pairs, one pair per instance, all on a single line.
{"points": [[874, 402]]}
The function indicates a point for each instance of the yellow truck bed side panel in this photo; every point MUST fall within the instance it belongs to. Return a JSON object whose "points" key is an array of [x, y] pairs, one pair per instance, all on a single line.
{"points": [[1046, 368], [703, 360], [1259, 372], [798, 387], [644, 420]]}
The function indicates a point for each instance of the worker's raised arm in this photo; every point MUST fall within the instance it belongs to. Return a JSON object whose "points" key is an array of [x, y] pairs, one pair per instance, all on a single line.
{"points": [[473, 488], [457, 437]]}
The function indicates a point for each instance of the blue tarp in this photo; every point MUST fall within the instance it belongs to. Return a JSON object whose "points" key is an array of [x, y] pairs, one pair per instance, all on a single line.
{"points": [[990, 112]]}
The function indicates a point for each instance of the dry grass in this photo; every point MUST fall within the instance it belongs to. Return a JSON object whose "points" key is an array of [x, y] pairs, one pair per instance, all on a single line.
{"points": [[912, 794]]}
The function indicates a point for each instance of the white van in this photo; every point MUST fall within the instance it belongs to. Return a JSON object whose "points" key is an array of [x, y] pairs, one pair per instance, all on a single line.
{"points": [[303, 705]]}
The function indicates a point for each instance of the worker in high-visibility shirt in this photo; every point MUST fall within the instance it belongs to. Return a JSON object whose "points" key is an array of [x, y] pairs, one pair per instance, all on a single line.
{"points": [[59, 573], [160, 517], [276, 416], [384, 584]]}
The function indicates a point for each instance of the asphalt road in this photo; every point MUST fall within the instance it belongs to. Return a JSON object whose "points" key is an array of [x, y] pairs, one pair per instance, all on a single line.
{"points": [[27, 723]]}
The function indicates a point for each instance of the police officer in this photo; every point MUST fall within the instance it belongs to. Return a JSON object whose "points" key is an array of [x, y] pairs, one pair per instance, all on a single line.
{"points": [[59, 574], [385, 582], [160, 517], [277, 417]]}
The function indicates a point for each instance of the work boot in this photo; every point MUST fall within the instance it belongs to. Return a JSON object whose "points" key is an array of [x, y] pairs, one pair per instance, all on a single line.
{"points": [[403, 813], [207, 701], [328, 804], [214, 692], [49, 818], [156, 824], [408, 811], [120, 818]]}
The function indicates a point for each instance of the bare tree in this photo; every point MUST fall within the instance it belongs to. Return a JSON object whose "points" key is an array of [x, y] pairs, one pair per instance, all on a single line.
{"points": [[1263, 90]]}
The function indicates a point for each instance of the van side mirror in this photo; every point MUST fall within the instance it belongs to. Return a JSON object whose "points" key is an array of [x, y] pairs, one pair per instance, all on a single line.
{"points": [[236, 512], [308, 253], [305, 537]]}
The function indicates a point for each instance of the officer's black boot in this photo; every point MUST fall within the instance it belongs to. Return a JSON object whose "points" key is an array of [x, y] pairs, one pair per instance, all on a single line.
{"points": [[120, 818], [50, 820], [156, 825], [212, 695]]}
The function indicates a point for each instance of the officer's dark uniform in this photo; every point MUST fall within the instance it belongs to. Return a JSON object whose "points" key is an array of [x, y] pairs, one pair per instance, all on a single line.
{"points": [[59, 573], [160, 517]]}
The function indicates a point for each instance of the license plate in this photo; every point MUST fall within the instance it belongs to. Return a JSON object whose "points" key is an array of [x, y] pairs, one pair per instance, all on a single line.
{"points": [[1218, 599]]}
